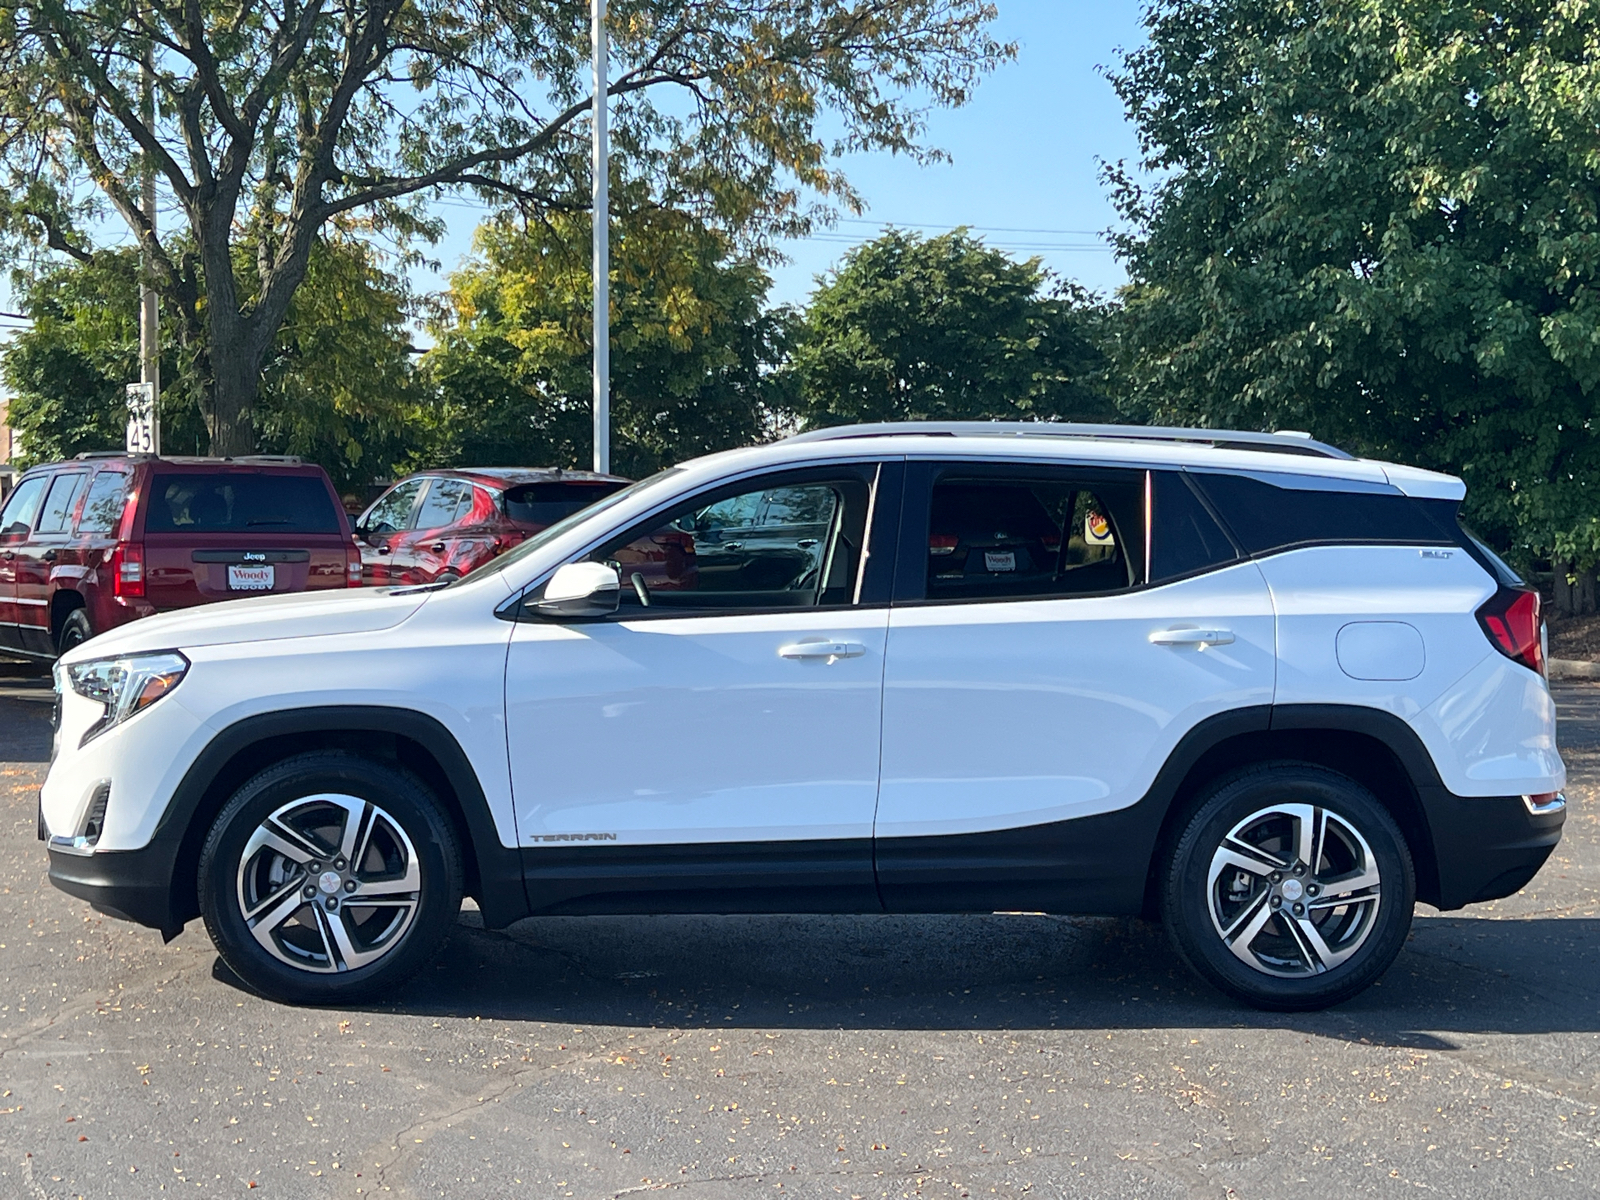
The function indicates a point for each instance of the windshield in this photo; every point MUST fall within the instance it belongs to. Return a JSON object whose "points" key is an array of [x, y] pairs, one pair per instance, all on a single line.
{"points": [[550, 533]]}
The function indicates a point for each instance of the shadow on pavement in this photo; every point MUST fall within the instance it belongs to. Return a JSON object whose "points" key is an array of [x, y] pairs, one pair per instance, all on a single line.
{"points": [[25, 704], [1457, 974]]}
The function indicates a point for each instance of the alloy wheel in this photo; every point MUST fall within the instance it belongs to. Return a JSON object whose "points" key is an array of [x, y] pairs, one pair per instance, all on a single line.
{"points": [[329, 883], [1293, 890]]}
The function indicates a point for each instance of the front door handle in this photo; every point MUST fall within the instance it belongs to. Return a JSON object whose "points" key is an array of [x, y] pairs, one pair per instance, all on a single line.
{"points": [[832, 651], [50, 556], [437, 547], [1198, 638]]}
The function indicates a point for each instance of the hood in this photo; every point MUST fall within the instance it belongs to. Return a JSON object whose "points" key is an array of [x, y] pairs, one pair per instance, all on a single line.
{"points": [[261, 618]]}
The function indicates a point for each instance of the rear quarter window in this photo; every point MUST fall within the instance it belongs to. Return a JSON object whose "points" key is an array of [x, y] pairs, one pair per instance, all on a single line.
{"points": [[240, 503], [1264, 516], [102, 508], [547, 503]]}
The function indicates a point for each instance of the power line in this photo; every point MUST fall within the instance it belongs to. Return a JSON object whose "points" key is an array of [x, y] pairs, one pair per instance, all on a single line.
{"points": [[838, 239], [979, 228]]}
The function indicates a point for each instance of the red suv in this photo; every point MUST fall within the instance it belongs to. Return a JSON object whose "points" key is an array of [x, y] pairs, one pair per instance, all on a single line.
{"points": [[441, 524], [106, 538]]}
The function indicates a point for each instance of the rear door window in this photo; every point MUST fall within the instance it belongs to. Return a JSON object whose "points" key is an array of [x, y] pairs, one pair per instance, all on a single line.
{"points": [[444, 501], [16, 519], [55, 517], [1185, 538], [102, 508], [241, 503], [1006, 535]]}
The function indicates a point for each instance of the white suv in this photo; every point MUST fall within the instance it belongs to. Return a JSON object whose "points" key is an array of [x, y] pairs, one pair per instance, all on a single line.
{"points": [[1245, 682]]}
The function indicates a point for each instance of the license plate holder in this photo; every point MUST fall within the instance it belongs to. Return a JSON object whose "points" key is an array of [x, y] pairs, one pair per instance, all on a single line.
{"points": [[999, 560], [252, 578]]}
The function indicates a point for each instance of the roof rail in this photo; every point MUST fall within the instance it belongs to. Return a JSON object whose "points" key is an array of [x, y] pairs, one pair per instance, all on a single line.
{"points": [[89, 454], [1285, 441]]}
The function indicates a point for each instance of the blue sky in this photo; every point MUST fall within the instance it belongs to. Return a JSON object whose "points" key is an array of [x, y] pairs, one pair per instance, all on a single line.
{"points": [[1025, 154]]}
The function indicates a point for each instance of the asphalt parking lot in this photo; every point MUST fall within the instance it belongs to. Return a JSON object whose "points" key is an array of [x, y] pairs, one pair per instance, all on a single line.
{"points": [[722, 1057]]}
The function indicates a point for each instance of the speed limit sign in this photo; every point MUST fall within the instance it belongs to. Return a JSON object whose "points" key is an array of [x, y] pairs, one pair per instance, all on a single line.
{"points": [[142, 418]]}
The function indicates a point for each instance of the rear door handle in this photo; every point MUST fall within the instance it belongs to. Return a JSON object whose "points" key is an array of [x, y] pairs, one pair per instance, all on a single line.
{"points": [[828, 650], [1198, 638], [49, 556]]}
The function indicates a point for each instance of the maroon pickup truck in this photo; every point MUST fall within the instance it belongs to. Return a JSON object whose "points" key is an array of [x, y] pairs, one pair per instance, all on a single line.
{"points": [[104, 539]]}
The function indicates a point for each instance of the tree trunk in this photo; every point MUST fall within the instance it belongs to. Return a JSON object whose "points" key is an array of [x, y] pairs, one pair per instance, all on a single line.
{"points": [[235, 381], [1575, 591]]}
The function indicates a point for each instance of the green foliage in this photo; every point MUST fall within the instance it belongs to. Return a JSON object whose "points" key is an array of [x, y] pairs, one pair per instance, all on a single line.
{"points": [[67, 372], [1377, 220], [691, 347], [946, 328], [338, 386], [274, 121]]}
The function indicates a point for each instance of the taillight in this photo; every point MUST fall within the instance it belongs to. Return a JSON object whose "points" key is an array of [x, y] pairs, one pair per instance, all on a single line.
{"points": [[352, 566], [127, 570], [943, 543], [1511, 619]]}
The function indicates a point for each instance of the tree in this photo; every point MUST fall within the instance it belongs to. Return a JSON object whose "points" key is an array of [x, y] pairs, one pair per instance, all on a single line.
{"points": [[691, 357], [945, 328], [272, 119], [1376, 220], [338, 384]]}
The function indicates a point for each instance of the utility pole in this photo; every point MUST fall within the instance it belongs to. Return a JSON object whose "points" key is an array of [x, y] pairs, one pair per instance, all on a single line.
{"points": [[149, 302], [602, 246]]}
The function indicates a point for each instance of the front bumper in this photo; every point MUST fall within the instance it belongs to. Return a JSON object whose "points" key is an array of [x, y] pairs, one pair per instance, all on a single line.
{"points": [[133, 885], [1487, 848]]}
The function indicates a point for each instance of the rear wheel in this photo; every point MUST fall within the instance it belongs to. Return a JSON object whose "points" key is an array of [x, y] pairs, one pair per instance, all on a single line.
{"points": [[329, 878], [1290, 888], [75, 631]]}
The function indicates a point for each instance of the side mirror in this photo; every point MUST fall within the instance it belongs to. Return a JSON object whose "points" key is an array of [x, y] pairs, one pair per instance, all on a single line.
{"points": [[582, 589]]}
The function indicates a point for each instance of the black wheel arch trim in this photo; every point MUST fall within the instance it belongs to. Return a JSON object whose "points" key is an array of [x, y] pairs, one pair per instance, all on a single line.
{"points": [[156, 884], [1467, 849]]}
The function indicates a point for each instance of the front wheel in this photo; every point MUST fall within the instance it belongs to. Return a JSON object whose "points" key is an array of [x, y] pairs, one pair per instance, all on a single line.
{"points": [[330, 878], [75, 631], [1291, 888]]}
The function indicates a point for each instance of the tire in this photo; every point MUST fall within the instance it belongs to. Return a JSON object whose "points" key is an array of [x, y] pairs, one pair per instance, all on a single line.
{"points": [[330, 948], [75, 631], [1230, 910]]}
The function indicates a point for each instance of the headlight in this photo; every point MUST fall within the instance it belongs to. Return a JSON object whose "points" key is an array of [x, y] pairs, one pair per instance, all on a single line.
{"points": [[125, 685]]}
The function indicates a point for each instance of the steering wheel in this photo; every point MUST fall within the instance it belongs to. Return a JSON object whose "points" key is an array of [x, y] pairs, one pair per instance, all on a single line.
{"points": [[640, 589]]}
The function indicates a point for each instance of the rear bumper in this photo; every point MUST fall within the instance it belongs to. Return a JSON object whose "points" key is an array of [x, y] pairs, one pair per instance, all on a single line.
{"points": [[1488, 847]]}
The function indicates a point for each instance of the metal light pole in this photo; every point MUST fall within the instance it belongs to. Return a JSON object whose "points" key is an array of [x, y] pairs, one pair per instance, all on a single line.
{"points": [[602, 247], [149, 302]]}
